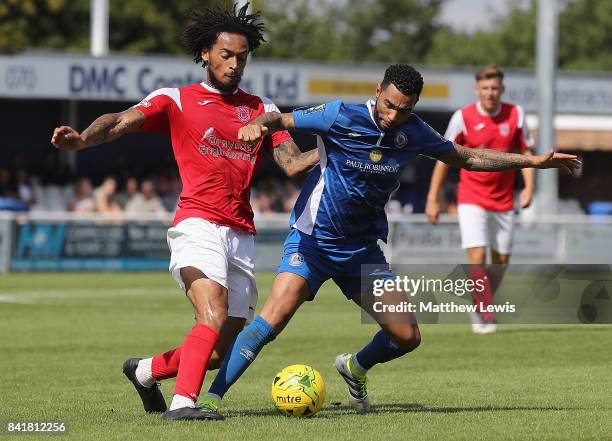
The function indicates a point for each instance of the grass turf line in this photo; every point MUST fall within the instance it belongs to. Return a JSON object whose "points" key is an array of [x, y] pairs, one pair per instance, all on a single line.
{"points": [[63, 338]]}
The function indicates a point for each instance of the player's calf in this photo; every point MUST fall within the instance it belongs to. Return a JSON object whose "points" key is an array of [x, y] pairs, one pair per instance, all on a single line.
{"points": [[405, 337]]}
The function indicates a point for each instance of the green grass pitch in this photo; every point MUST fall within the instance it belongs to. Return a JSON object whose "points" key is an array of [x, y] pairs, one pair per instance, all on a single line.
{"points": [[63, 339]]}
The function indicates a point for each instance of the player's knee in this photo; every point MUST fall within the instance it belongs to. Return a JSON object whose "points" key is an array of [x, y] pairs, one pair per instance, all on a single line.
{"points": [[477, 255], [212, 319], [408, 339]]}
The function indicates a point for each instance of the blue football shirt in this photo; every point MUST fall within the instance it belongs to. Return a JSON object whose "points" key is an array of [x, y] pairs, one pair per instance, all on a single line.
{"points": [[345, 197]]}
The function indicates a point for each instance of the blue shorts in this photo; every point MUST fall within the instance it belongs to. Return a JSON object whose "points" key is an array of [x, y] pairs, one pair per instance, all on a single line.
{"points": [[316, 261]]}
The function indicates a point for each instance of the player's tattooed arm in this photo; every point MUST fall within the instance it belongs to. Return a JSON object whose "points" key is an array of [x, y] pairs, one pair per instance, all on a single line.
{"points": [[106, 128], [492, 160], [266, 124], [293, 161]]}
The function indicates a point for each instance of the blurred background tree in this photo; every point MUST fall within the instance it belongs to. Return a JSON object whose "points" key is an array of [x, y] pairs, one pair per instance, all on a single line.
{"points": [[509, 43], [134, 25], [332, 30]]}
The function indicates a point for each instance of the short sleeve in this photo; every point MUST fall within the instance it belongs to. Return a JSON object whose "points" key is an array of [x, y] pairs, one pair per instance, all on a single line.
{"points": [[272, 141], [431, 142], [317, 119], [525, 141], [157, 107], [456, 128], [277, 138]]}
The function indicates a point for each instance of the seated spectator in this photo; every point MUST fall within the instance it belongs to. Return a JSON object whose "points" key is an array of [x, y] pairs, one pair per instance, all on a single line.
{"points": [[290, 195], [131, 191], [145, 202], [9, 194], [83, 200], [168, 188], [104, 196], [7, 187], [24, 188]]}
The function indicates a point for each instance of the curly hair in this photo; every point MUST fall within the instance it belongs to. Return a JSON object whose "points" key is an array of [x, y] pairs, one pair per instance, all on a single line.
{"points": [[205, 25], [406, 78]]}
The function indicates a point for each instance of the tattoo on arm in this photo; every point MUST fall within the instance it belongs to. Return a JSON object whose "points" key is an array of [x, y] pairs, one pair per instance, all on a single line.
{"points": [[290, 158], [275, 121], [111, 126], [485, 159], [283, 154], [98, 132]]}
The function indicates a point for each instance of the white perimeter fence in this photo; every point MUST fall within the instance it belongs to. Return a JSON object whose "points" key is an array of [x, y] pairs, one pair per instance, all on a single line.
{"points": [[65, 242]]}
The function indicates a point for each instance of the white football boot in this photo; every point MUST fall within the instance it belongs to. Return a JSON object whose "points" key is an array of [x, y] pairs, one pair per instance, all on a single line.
{"points": [[357, 384]]}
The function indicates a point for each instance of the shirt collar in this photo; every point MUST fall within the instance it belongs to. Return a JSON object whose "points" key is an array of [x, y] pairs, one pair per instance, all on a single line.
{"points": [[370, 105], [483, 112], [214, 90]]}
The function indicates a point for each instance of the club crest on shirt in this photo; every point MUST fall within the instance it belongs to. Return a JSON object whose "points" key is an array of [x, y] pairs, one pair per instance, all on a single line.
{"points": [[375, 155], [504, 129], [145, 103], [243, 113], [400, 140], [296, 259]]}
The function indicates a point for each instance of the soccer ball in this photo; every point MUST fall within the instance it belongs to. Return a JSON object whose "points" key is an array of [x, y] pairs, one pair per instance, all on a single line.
{"points": [[298, 390]]}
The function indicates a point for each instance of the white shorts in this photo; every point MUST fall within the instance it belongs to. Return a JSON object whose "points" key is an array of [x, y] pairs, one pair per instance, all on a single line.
{"points": [[224, 255], [482, 228]]}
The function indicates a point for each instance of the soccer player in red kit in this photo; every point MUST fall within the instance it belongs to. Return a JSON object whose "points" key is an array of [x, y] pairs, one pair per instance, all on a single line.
{"points": [[486, 199], [211, 240]]}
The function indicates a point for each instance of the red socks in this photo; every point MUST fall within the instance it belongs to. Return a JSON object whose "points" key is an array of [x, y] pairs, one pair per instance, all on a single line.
{"points": [[482, 298], [166, 365], [194, 354]]}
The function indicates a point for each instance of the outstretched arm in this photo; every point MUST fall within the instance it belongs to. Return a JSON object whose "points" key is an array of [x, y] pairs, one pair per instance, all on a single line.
{"points": [[492, 160], [106, 128], [288, 156], [294, 163], [266, 124]]}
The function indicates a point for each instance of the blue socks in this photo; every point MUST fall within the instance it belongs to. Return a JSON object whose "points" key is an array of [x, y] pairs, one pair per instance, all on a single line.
{"points": [[256, 335], [243, 352], [380, 350]]}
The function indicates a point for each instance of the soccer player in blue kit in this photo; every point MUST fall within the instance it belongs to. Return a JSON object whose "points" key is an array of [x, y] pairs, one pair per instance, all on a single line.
{"points": [[340, 215]]}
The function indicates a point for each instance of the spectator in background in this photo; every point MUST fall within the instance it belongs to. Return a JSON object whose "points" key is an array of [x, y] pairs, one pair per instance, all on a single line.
{"points": [[131, 191], [145, 202], [24, 187], [9, 194], [105, 196], [168, 188], [268, 199], [290, 195], [7, 189], [83, 200]]}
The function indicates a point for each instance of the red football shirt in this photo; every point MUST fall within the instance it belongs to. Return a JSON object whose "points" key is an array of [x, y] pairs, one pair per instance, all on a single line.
{"points": [[505, 131], [215, 167]]}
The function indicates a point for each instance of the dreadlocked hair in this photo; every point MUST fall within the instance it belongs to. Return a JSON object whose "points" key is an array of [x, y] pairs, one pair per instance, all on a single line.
{"points": [[205, 25], [406, 78]]}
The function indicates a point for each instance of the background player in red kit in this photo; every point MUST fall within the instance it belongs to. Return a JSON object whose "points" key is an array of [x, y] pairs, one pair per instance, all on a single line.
{"points": [[211, 241], [486, 199]]}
